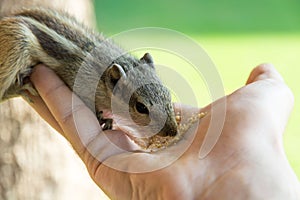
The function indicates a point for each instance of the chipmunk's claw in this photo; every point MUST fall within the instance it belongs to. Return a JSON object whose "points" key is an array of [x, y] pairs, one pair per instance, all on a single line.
{"points": [[23, 76], [26, 90], [30, 88], [23, 85], [106, 124]]}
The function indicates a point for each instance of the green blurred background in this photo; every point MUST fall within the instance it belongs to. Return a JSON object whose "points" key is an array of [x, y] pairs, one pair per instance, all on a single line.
{"points": [[237, 35]]}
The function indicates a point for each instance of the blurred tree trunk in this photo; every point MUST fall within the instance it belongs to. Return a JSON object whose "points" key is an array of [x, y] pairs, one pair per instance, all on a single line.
{"points": [[35, 162]]}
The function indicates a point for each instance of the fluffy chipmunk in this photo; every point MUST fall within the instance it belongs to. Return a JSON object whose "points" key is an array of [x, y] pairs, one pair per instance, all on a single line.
{"points": [[97, 70]]}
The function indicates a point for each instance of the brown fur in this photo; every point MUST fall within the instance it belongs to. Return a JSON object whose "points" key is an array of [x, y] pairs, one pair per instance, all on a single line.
{"points": [[82, 59]]}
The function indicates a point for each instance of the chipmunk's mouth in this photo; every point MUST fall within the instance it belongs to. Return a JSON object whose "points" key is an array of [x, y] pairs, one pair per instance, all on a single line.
{"points": [[122, 124], [129, 128], [135, 134]]}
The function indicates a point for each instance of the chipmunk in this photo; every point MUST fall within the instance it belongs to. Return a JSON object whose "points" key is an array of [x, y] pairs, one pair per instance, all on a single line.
{"points": [[82, 58]]}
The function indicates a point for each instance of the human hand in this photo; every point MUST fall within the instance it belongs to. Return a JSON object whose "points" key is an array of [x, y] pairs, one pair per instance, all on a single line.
{"points": [[248, 160]]}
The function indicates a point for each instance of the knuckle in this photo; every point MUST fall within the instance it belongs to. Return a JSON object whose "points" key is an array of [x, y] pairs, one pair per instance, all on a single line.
{"points": [[54, 91], [68, 116]]}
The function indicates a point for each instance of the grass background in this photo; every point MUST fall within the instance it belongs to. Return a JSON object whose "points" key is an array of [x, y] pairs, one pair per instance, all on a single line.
{"points": [[237, 35]]}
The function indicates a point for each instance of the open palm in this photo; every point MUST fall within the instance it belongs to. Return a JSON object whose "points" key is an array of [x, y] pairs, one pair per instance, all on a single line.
{"points": [[247, 161]]}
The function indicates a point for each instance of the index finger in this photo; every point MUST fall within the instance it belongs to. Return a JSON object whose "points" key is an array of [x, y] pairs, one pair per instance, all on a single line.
{"points": [[79, 124]]}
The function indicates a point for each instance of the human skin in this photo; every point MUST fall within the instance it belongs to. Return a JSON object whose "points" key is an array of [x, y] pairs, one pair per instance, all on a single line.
{"points": [[247, 162]]}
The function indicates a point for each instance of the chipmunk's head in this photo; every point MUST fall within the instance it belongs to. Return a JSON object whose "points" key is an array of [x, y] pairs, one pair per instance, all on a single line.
{"points": [[139, 92]]}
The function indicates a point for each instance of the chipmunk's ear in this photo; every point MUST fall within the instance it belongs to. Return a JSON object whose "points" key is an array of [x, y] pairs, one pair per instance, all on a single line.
{"points": [[114, 73], [147, 58]]}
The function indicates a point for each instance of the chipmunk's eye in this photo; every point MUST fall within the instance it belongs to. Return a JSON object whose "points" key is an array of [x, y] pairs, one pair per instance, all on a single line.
{"points": [[141, 108]]}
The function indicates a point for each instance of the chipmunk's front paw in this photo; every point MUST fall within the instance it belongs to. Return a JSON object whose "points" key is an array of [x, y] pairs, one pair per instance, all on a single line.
{"points": [[27, 89], [24, 86], [106, 124], [21, 87]]}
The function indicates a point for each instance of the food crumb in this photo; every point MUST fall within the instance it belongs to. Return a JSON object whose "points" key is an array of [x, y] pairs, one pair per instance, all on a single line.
{"points": [[157, 142]]}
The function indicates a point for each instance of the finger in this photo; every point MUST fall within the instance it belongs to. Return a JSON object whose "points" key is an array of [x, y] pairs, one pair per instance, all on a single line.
{"points": [[40, 107], [264, 71], [78, 122], [184, 112], [58, 99], [188, 124]]}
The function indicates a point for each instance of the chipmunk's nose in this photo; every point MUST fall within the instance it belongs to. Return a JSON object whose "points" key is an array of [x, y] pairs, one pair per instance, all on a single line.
{"points": [[172, 132], [170, 129]]}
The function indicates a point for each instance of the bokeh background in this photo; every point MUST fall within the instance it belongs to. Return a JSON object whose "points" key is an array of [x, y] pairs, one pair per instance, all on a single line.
{"points": [[237, 35], [36, 163]]}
